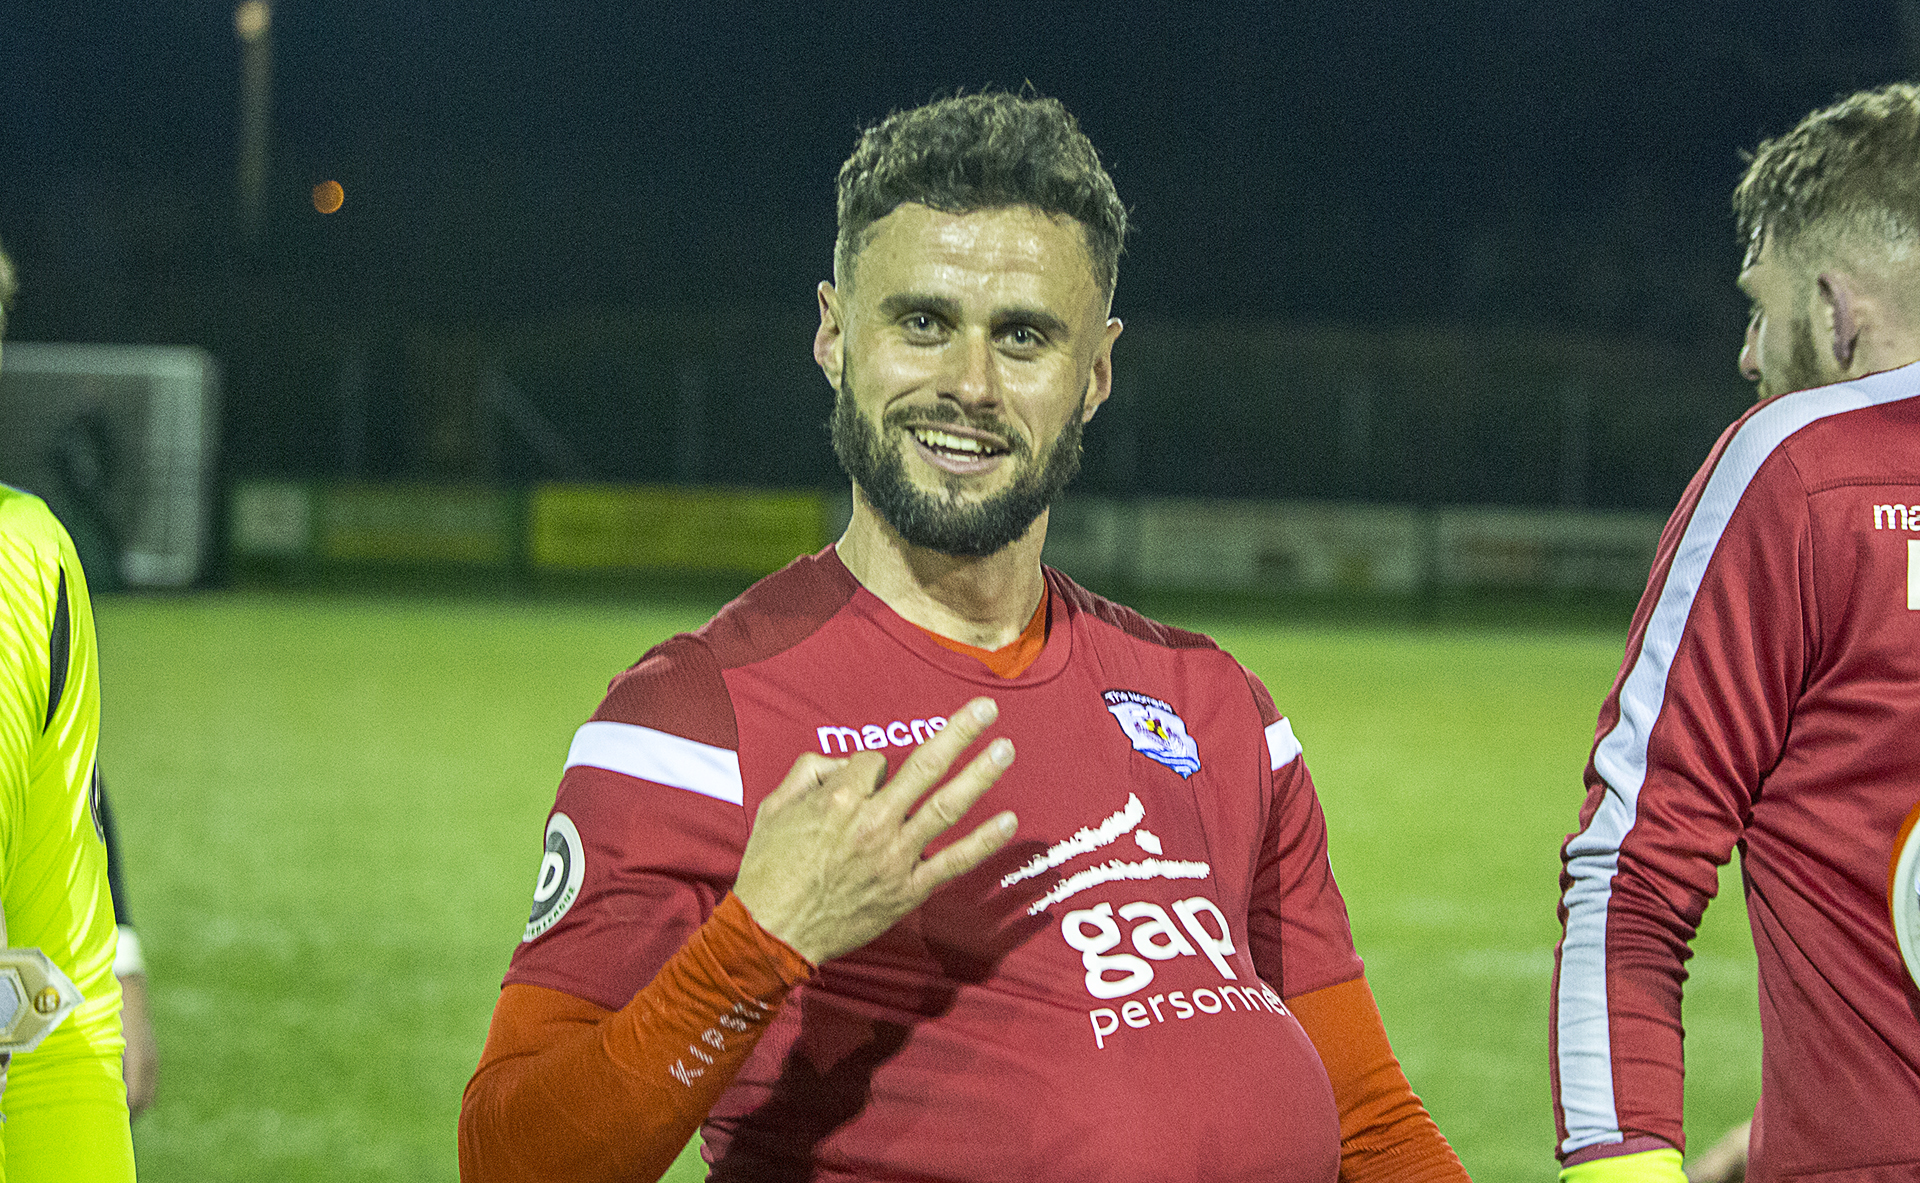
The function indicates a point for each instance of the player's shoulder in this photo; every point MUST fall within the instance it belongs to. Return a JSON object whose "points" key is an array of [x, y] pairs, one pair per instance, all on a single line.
{"points": [[779, 611], [35, 551], [1785, 450], [679, 685], [1863, 430], [26, 519], [1133, 624]]}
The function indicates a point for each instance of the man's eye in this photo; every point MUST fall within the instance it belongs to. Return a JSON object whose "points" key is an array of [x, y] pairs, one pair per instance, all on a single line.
{"points": [[920, 322], [1022, 336]]}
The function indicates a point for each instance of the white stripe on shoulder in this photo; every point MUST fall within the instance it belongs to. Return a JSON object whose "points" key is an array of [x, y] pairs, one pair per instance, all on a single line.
{"points": [[1282, 748], [1593, 855], [660, 757]]}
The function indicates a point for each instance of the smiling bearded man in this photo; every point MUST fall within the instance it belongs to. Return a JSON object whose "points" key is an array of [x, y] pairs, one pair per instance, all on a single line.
{"points": [[742, 924], [944, 520]]}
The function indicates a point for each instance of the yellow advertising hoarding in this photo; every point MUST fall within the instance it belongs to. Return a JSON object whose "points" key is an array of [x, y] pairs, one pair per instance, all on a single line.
{"points": [[408, 523], [626, 527]]}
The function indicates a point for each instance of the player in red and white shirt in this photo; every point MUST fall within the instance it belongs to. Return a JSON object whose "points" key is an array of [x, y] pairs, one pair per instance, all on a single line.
{"points": [[1134, 965], [1770, 701]]}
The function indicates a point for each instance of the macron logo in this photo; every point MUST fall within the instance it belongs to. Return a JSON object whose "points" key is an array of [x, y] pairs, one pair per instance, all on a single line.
{"points": [[873, 737], [1904, 517], [1896, 517]]}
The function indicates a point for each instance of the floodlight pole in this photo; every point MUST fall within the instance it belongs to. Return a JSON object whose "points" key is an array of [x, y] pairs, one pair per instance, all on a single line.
{"points": [[253, 24]]}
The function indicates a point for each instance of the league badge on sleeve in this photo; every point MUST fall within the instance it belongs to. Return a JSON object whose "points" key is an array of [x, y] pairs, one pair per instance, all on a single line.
{"points": [[1903, 892], [562, 866], [1155, 731]]}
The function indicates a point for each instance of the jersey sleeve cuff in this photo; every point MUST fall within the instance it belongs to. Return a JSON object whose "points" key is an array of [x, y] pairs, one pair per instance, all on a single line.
{"points": [[1646, 1166], [127, 958], [760, 964]]}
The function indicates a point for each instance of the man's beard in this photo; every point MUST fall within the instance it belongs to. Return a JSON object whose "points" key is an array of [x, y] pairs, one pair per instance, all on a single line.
{"points": [[1802, 368], [939, 520]]}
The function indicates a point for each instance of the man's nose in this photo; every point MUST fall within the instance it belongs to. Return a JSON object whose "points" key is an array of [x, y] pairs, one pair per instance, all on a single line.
{"points": [[971, 377]]}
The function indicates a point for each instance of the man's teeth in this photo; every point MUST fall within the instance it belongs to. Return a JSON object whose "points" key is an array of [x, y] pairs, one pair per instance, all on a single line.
{"points": [[952, 443]]}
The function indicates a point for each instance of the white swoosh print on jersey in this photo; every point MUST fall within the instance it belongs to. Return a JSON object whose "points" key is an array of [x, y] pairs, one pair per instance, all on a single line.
{"points": [[1093, 838], [1282, 749], [1111, 872], [1082, 842]]}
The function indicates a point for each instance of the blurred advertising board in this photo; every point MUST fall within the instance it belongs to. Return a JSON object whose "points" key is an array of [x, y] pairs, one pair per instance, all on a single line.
{"points": [[625, 527], [558, 528]]}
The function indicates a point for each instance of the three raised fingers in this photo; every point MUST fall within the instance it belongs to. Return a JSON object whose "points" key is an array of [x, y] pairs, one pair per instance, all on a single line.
{"points": [[952, 800], [960, 857], [927, 763]]}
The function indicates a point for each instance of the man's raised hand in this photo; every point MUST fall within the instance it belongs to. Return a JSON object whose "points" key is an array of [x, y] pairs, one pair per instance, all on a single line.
{"points": [[835, 859]]}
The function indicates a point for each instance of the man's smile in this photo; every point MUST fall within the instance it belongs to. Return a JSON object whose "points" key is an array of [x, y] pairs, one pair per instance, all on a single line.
{"points": [[958, 450]]}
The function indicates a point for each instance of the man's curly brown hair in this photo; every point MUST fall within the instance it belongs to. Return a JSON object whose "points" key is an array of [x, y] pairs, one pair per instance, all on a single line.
{"points": [[981, 151]]}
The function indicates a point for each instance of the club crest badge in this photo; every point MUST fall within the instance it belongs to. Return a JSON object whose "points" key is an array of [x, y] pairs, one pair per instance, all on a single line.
{"points": [[1155, 730]]}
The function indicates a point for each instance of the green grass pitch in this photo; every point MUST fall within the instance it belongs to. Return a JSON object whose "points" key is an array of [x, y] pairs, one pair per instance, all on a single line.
{"points": [[331, 808]]}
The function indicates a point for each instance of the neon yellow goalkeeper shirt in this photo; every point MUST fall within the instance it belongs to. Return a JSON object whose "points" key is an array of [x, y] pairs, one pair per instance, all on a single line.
{"points": [[65, 1103]]}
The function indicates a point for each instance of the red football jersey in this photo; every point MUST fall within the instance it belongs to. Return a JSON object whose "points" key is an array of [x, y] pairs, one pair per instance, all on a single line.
{"points": [[1101, 1000], [1770, 699]]}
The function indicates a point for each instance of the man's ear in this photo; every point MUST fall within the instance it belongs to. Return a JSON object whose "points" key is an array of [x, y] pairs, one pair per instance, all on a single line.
{"points": [[829, 342], [1843, 315], [1100, 378]]}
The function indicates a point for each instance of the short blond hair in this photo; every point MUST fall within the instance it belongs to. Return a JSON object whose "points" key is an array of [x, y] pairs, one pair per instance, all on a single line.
{"points": [[1847, 179]]}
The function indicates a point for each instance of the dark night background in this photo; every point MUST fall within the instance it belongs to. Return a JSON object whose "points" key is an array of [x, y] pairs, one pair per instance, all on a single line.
{"points": [[1470, 209]]}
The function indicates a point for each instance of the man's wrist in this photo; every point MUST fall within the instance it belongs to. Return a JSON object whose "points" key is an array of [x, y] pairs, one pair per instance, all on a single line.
{"points": [[744, 941], [127, 958], [1647, 1166]]}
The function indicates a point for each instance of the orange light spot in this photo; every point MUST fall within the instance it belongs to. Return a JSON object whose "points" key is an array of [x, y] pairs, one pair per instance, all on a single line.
{"points": [[328, 196]]}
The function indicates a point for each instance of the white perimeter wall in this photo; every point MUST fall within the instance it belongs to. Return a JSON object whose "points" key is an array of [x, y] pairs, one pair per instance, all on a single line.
{"points": [[1324, 546], [1310, 546]]}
